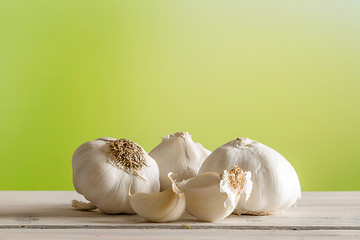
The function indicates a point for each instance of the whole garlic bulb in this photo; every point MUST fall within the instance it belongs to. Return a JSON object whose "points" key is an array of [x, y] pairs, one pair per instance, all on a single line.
{"points": [[103, 170], [212, 196], [178, 153], [276, 184]]}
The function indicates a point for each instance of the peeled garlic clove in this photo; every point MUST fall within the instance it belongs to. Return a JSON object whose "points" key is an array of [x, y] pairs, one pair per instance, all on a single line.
{"points": [[212, 196], [103, 170], [165, 206], [178, 153], [276, 184]]}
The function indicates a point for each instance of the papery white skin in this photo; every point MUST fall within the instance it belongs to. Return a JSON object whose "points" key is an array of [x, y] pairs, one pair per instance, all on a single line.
{"points": [[165, 206], [178, 153], [105, 185], [209, 196], [276, 185], [232, 195]]}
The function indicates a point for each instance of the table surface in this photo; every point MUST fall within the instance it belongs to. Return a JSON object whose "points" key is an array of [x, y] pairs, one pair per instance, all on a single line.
{"points": [[49, 215]]}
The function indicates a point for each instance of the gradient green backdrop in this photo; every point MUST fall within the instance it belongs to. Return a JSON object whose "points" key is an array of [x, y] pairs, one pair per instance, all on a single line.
{"points": [[285, 73]]}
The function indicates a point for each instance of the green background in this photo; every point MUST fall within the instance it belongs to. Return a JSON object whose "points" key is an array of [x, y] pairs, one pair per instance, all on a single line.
{"points": [[285, 73]]}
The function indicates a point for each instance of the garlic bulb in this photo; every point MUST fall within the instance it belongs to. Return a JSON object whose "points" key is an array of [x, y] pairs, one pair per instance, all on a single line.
{"points": [[103, 170], [276, 184], [178, 153], [212, 196], [165, 206]]}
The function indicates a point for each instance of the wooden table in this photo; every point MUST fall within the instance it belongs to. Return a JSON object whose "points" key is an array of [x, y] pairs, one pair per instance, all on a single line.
{"points": [[49, 215]]}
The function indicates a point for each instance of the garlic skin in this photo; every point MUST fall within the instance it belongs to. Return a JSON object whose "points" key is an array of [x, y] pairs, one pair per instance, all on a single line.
{"points": [[103, 170], [276, 185], [165, 206], [83, 206], [178, 153], [212, 196]]}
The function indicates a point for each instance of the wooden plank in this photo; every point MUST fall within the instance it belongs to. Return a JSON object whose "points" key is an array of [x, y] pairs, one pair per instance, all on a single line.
{"points": [[33, 210], [209, 234]]}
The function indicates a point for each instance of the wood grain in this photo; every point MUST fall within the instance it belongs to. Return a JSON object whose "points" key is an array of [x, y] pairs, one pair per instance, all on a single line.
{"points": [[166, 234], [317, 214]]}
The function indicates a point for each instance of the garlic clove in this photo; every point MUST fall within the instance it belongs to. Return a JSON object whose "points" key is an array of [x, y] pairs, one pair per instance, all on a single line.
{"points": [[212, 196], [165, 206], [83, 206], [276, 184], [178, 153]]}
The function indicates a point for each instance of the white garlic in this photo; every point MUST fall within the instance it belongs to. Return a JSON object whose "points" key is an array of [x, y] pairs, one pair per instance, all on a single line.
{"points": [[276, 184], [212, 196], [103, 170], [165, 206], [178, 153]]}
